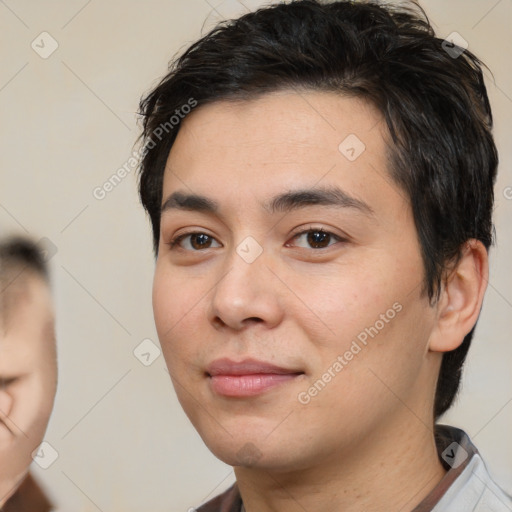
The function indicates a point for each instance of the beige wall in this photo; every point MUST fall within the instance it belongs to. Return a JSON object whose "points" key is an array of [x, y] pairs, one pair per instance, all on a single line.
{"points": [[67, 124]]}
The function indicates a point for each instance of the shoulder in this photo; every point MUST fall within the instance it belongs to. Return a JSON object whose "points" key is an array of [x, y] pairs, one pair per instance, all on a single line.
{"points": [[475, 490], [468, 485]]}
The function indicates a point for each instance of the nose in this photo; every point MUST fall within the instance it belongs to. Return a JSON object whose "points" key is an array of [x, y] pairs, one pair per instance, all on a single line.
{"points": [[248, 293]]}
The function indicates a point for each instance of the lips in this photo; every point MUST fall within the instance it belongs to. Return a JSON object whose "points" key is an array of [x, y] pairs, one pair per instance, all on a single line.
{"points": [[246, 378]]}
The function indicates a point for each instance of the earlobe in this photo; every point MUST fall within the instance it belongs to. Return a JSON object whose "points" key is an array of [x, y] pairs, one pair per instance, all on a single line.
{"points": [[461, 298]]}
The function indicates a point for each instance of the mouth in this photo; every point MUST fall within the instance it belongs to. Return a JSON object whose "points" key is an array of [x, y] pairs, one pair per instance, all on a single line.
{"points": [[246, 378]]}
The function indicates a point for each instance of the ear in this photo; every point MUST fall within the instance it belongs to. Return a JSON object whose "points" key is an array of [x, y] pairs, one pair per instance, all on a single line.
{"points": [[461, 298]]}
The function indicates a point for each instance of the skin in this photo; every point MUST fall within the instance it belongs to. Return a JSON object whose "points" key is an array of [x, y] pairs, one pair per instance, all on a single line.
{"points": [[28, 379], [365, 441]]}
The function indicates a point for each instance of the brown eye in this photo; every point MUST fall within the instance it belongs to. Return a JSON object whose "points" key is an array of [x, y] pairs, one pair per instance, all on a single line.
{"points": [[315, 239], [200, 241], [194, 242], [318, 239]]}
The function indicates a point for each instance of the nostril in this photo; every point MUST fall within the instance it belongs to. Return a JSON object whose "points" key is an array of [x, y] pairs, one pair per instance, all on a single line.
{"points": [[218, 322], [253, 319]]}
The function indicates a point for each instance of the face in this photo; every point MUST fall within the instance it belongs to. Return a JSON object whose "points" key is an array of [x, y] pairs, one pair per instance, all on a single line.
{"points": [[28, 375], [287, 291]]}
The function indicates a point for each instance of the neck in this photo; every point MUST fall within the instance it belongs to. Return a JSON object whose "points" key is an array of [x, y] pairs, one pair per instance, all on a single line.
{"points": [[393, 469]]}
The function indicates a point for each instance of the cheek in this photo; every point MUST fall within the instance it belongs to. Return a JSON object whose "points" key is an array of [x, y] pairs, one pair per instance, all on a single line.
{"points": [[33, 403], [169, 301], [179, 313], [366, 312], [338, 305]]}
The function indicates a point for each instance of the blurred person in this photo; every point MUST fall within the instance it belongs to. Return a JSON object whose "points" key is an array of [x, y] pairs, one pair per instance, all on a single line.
{"points": [[319, 179], [28, 371]]}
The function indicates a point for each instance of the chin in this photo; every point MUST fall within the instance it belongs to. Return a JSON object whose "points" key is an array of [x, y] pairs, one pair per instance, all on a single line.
{"points": [[247, 451]]}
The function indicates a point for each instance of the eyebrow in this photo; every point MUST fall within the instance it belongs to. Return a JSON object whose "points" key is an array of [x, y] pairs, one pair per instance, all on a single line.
{"points": [[286, 202]]}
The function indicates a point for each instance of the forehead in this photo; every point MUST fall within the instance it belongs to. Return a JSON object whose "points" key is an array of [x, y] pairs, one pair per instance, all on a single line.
{"points": [[27, 322], [284, 123], [285, 139]]}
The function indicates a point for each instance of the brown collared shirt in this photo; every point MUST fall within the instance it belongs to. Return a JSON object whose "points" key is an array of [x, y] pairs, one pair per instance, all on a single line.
{"points": [[28, 498], [466, 487]]}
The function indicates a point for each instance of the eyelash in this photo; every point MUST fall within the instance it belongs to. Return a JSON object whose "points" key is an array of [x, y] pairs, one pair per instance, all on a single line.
{"points": [[176, 240]]}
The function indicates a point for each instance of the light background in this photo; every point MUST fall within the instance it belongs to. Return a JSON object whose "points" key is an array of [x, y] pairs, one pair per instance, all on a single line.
{"points": [[67, 124]]}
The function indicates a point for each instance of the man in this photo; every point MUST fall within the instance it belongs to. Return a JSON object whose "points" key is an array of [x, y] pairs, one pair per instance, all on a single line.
{"points": [[319, 179], [28, 371]]}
